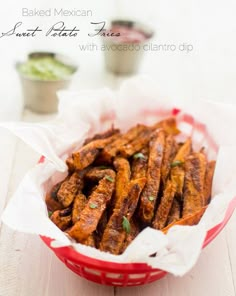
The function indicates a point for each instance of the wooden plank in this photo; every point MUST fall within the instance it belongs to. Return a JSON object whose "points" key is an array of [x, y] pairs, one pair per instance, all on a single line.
{"points": [[12, 243], [49, 276], [27, 266], [231, 243], [210, 276], [7, 152], [10, 109]]}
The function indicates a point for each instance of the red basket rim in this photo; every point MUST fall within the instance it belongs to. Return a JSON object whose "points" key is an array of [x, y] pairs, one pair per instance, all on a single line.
{"points": [[71, 254]]}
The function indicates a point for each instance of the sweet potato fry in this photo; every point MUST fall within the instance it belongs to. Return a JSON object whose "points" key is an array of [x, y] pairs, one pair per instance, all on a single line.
{"points": [[111, 150], [195, 168], [164, 208], [112, 131], [78, 205], [70, 165], [190, 220], [95, 174], [101, 227], [96, 205], [122, 179], [51, 198], [150, 193], [90, 241], [114, 234], [177, 170], [134, 231], [139, 164], [183, 151], [62, 218], [170, 151], [175, 213], [169, 125], [135, 188], [208, 181], [137, 144], [88, 153], [69, 188]]}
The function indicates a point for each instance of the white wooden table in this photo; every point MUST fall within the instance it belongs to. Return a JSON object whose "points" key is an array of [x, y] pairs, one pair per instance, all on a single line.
{"points": [[27, 266]]}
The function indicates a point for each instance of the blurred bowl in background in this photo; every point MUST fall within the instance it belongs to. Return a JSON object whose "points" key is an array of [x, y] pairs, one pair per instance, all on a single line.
{"points": [[42, 75], [124, 53]]}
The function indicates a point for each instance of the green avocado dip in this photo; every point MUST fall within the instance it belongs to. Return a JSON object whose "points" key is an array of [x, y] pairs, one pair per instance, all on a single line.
{"points": [[45, 68]]}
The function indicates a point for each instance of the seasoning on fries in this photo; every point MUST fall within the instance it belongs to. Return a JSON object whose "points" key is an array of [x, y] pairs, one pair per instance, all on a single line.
{"points": [[118, 184]]}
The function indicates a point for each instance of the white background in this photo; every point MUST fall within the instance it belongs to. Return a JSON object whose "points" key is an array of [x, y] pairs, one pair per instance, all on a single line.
{"points": [[208, 72]]}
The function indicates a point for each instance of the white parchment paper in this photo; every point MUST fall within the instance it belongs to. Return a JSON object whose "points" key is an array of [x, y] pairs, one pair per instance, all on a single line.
{"points": [[84, 113]]}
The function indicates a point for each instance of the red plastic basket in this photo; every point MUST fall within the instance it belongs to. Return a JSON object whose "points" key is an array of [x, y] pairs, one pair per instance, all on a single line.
{"points": [[117, 274]]}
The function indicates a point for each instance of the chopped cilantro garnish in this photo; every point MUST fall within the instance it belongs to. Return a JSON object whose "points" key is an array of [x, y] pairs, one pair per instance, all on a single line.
{"points": [[126, 224], [93, 206], [139, 155], [109, 178], [176, 163]]}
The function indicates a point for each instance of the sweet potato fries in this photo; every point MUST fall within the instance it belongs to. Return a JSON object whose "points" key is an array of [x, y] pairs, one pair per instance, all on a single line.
{"points": [[120, 183]]}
